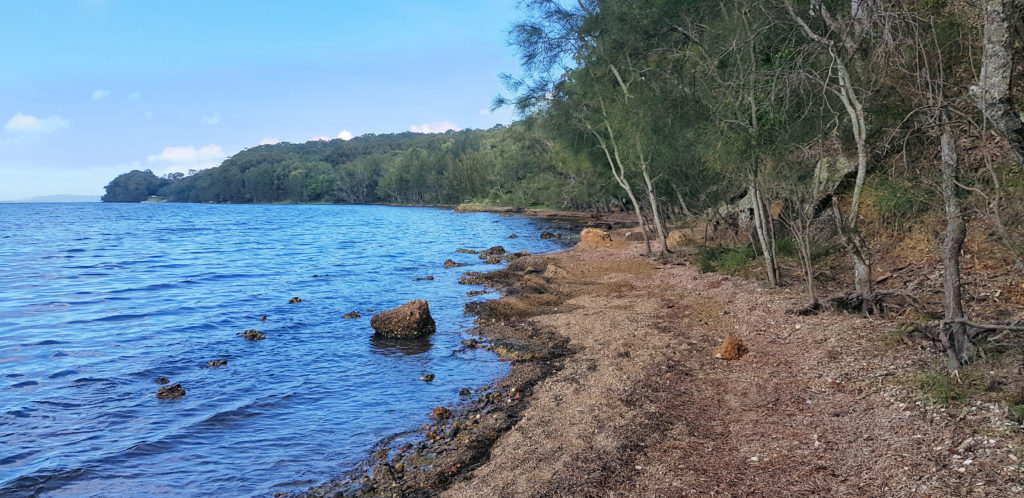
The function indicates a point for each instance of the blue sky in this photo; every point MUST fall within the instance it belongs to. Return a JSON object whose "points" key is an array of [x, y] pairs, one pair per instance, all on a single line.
{"points": [[93, 88]]}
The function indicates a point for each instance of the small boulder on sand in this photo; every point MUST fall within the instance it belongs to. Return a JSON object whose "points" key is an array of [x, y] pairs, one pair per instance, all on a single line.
{"points": [[448, 263], [731, 349], [409, 320], [351, 314], [171, 392], [676, 238], [594, 235]]}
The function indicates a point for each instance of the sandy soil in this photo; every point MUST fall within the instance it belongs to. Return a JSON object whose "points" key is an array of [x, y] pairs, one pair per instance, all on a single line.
{"points": [[639, 406]]}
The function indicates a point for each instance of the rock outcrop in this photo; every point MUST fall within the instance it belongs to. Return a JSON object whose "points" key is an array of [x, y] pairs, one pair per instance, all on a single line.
{"points": [[463, 250], [351, 314], [407, 321], [448, 263], [594, 235]]}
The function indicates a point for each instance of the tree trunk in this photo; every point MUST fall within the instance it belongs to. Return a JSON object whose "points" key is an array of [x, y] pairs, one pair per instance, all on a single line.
{"points": [[767, 245], [954, 334], [653, 199], [993, 91]]}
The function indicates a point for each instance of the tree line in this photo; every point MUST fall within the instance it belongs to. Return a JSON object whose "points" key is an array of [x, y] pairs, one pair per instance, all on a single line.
{"points": [[509, 166], [786, 114], [796, 108]]}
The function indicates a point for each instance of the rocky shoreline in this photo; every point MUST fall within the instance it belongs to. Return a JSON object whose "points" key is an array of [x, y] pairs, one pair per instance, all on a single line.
{"points": [[427, 460]]}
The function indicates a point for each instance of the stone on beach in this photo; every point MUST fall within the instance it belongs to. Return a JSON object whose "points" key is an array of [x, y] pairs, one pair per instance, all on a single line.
{"points": [[594, 235], [731, 349], [409, 320]]}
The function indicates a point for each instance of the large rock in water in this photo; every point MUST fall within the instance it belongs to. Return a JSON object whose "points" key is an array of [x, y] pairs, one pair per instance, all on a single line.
{"points": [[409, 320]]}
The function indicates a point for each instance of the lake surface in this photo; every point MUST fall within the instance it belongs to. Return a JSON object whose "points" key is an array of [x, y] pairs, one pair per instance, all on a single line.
{"points": [[98, 300]]}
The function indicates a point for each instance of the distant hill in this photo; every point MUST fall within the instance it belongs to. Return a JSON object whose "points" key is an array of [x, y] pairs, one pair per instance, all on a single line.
{"points": [[60, 198]]}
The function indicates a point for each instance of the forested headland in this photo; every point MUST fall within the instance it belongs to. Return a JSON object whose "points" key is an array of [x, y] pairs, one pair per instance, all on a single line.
{"points": [[809, 127], [505, 166]]}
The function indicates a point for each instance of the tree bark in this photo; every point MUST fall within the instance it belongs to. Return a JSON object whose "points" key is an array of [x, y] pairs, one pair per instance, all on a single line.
{"points": [[767, 246], [954, 334], [993, 91]]}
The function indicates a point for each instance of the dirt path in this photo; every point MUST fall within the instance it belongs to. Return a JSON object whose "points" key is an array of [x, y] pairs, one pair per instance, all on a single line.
{"points": [[820, 405]]}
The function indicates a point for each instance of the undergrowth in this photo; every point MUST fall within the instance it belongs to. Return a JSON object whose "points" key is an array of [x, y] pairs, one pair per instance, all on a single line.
{"points": [[729, 260]]}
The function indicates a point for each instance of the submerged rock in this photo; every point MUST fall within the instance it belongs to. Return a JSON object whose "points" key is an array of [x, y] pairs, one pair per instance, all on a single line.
{"points": [[547, 235], [463, 250], [441, 413], [420, 279], [427, 377], [294, 300], [171, 392], [162, 380], [409, 320], [494, 251], [464, 391], [216, 363], [253, 335], [448, 263], [263, 318], [351, 314], [513, 236], [477, 293], [731, 349]]}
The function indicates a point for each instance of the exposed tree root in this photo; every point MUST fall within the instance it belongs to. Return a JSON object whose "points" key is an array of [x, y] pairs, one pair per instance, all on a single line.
{"points": [[876, 303]]}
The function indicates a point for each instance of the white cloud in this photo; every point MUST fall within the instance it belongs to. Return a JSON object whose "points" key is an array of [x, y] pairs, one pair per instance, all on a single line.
{"points": [[345, 135], [99, 94], [434, 127], [319, 139], [269, 141], [24, 122], [135, 96], [212, 119], [188, 154]]}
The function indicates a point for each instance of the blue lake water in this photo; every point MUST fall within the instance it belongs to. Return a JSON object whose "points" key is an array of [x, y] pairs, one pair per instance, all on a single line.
{"points": [[98, 300]]}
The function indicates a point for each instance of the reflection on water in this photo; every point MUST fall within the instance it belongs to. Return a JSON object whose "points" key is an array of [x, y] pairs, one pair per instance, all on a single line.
{"points": [[386, 346]]}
